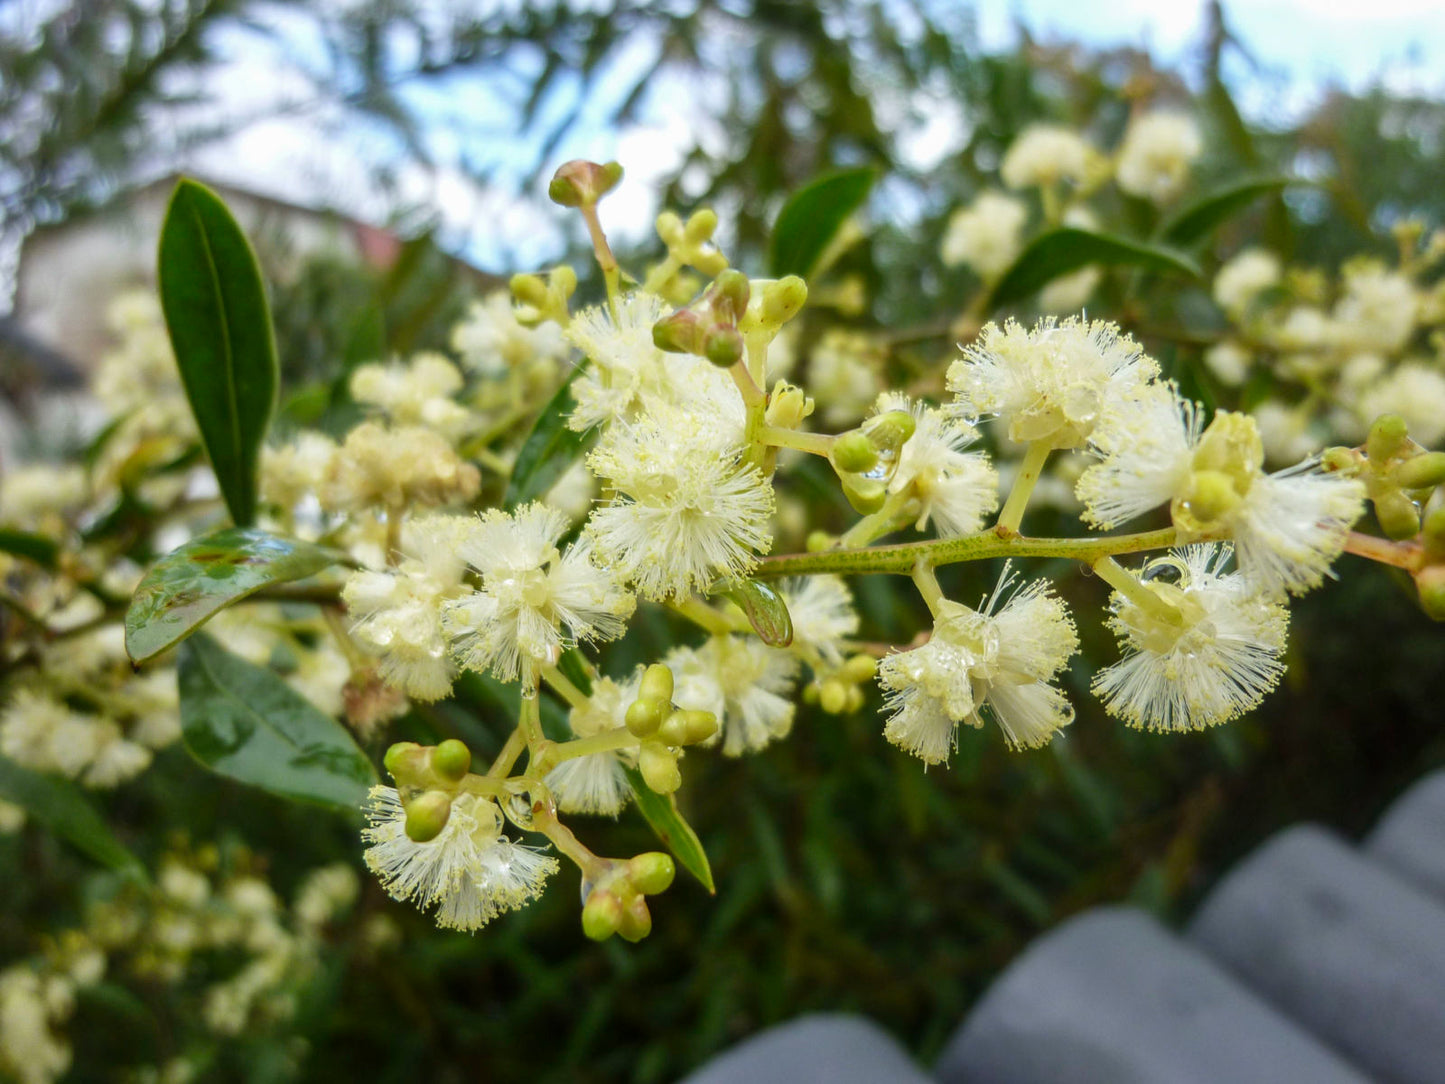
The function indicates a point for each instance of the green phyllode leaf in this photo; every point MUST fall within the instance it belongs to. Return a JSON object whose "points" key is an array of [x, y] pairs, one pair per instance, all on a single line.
{"points": [[660, 811], [1195, 223], [1057, 252], [33, 547], [243, 721], [220, 328], [550, 448], [194, 582], [63, 807], [812, 217]]}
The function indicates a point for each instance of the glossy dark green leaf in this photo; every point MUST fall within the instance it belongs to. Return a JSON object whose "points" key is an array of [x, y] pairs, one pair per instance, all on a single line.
{"points": [[33, 547], [1201, 218], [660, 811], [766, 611], [1059, 252], [220, 328], [550, 448], [243, 721], [192, 583], [812, 217], [66, 810]]}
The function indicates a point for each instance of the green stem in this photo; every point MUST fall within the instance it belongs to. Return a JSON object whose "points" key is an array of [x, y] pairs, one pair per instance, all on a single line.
{"points": [[704, 616], [529, 719], [563, 686], [1132, 588], [507, 758], [812, 443], [484, 785], [900, 559], [562, 838], [876, 524], [658, 276], [606, 742], [603, 251], [1023, 487], [927, 584]]}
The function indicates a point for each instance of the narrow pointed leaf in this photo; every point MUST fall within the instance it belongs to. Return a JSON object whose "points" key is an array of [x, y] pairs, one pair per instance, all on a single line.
{"points": [[1196, 222], [550, 448], [1058, 252], [65, 809], [660, 811], [194, 582], [812, 217], [243, 721], [220, 328], [33, 547], [766, 611]]}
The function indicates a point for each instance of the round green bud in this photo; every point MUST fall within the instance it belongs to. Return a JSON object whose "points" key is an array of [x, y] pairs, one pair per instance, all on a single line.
{"points": [[1345, 460], [710, 262], [730, 295], [659, 768], [783, 299], [833, 697], [451, 760], [427, 815], [853, 453], [1399, 516], [579, 183], [860, 668], [890, 430], [651, 873], [1433, 533], [529, 289], [680, 333], [401, 759], [563, 279], [656, 684], [644, 716], [722, 346], [1431, 583], [636, 920], [601, 915], [818, 541], [866, 495], [687, 727], [810, 693], [1387, 438], [701, 225], [669, 228], [1424, 471], [855, 699]]}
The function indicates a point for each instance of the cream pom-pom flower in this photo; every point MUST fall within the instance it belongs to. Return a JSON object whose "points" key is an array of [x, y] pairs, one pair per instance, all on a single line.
{"points": [[946, 485], [1156, 154], [985, 235], [1045, 154], [744, 682], [470, 872], [534, 601], [1207, 654], [1001, 658], [823, 616], [1054, 383]]}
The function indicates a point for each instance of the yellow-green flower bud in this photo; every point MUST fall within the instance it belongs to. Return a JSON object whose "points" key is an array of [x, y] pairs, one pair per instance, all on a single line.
{"points": [[451, 760], [722, 346], [783, 299], [659, 768], [1209, 496], [656, 684], [563, 279], [406, 763], [860, 668], [1399, 516], [818, 541], [427, 815], [669, 228], [788, 406], [833, 696], [730, 296], [644, 716], [866, 495], [853, 452], [1433, 534], [651, 873], [855, 698], [601, 915], [890, 430], [1387, 438], [636, 920], [1422, 471], [1431, 583], [687, 727], [579, 183], [680, 333], [701, 225], [530, 290], [1342, 461], [709, 261], [1231, 446]]}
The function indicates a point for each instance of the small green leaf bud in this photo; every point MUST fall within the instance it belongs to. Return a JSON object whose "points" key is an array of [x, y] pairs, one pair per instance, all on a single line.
{"points": [[529, 289], [601, 915], [1431, 584], [578, 183], [783, 299], [890, 430], [833, 697], [659, 768], [651, 873], [636, 920], [722, 346], [701, 225], [656, 684], [730, 296], [669, 228], [1422, 471], [1399, 516], [860, 668], [680, 333], [644, 716], [853, 452], [451, 760], [866, 495], [818, 541], [427, 815], [1387, 438], [855, 698]]}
